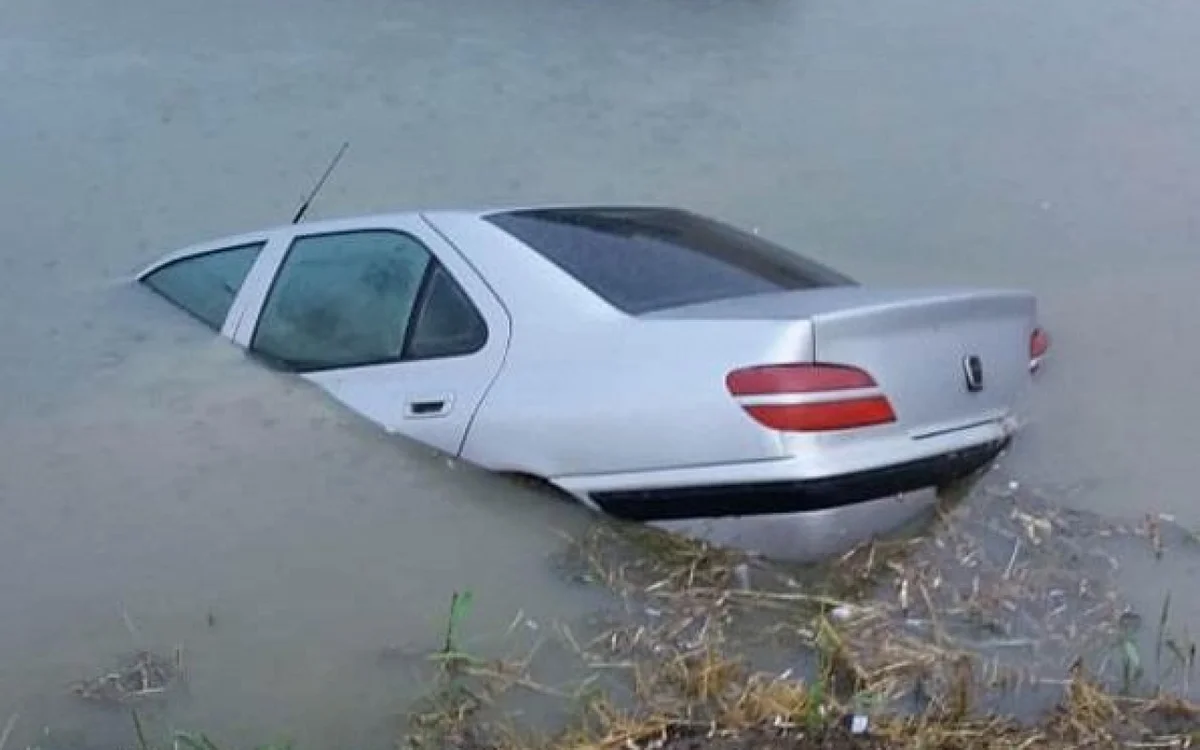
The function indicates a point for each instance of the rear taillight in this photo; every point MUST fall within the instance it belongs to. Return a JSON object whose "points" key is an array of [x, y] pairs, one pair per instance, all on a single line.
{"points": [[1039, 344], [810, 397]]}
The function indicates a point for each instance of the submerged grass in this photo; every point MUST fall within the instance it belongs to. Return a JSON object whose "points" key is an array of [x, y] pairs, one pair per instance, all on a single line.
{"points": [[913, 643], [185, 740]]}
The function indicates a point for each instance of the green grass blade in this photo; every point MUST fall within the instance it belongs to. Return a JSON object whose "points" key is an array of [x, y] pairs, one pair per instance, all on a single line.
{"points": [[137, 727]]}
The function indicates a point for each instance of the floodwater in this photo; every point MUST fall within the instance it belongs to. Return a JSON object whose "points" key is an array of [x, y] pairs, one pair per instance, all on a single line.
{"points": [[150, 474]]}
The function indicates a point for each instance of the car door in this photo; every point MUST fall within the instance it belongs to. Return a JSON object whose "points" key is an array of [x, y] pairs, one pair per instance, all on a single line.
{"points": [[387, 318]]}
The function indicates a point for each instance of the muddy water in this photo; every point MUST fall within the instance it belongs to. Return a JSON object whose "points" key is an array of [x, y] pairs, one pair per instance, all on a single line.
{"points": [[147, 467], [182, 483]]}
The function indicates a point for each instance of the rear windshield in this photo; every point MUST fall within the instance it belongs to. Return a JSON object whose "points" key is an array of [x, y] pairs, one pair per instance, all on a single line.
{"points": [[646, 259]]}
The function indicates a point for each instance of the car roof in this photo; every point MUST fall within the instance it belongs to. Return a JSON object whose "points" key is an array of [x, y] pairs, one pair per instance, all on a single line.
{"points": [[477, 212], [483, 211], [335, 223], [348, 221], [264, 232]]}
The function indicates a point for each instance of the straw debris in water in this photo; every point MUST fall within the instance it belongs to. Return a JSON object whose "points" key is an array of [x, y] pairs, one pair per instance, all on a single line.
{"points": [[141, 675], [909, 643]]}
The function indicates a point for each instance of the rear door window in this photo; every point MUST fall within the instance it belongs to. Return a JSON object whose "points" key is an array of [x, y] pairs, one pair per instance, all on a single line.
{"points": [[205, 285], [646, 259]]}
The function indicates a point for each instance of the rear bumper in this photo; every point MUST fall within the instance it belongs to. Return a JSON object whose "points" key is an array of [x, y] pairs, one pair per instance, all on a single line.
{"points": [[756, 498]]}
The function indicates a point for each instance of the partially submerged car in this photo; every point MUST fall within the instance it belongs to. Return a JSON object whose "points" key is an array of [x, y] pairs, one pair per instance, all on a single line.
{"points": [[652, 362]]}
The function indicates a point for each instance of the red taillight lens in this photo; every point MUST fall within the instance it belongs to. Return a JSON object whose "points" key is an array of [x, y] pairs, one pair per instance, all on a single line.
{"points": [[810, 397], [773, 379], [1039, 344], [821, 416]]}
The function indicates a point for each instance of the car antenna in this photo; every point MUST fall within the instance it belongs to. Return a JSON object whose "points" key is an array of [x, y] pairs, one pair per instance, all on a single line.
{"points": [[304, 206]]}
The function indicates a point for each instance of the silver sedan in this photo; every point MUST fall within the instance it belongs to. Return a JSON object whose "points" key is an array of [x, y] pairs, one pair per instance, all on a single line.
{"points": [[651, 362]]}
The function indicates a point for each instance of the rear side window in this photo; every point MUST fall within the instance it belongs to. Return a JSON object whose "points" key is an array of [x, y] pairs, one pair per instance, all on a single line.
{"points": [[646, 259], [205, 285], [447, 325]]}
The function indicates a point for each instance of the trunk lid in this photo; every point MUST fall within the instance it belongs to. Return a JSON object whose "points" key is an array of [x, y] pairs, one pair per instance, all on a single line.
{"points": [[946, 359], [918, 344]]}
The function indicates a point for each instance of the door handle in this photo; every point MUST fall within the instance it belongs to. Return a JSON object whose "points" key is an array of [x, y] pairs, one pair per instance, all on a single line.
{"points": [[424, 408]]}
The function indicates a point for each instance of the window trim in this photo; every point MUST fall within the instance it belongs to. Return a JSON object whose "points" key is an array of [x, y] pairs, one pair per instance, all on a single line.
{"points": [[422, 286], [145, 276]]}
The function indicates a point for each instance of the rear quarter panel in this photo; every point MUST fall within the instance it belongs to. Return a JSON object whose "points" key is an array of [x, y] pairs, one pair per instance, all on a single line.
{"points": [[627, 395]]}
